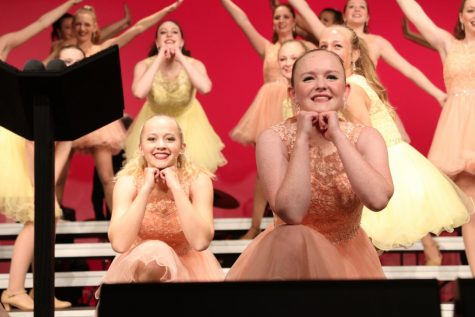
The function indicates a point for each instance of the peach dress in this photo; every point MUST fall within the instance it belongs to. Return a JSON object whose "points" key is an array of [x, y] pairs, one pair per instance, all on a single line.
{"points": [[161, 240], [266, 108], [329, 244], [453, 146]]}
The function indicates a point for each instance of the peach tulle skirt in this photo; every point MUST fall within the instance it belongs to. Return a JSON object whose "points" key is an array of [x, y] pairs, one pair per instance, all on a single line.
{"points": [[299, 252], [453, 146], [265, 111], [191, 266]]}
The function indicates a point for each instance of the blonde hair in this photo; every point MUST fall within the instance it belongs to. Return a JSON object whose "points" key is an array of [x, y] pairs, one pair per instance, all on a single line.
{"points": [[87, 9], [364, 66], [298, 42], [137, 164]]}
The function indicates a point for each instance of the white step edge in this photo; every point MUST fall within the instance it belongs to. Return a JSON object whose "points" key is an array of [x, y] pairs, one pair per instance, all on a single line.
{"points": [[93, 278], [234, 246], [446, 243], [71, 312], [104, 249], [447, 310], [101, 226]]}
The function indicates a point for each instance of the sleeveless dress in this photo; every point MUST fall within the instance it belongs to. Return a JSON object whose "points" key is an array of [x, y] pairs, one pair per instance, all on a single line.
{"points": [[424, 199], [177, 98], [267, 107], [161, 240], [16, 188], [329, 244], [453, 145]]}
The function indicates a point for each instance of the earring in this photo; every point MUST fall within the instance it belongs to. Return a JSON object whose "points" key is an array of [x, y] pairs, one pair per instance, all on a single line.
{"points": [[462, 26], [353, 66], [294, 29], [296, 107], [180, 160]]}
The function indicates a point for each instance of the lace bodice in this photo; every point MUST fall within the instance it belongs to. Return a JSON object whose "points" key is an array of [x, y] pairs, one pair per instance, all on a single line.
{"points": [[171, 96], [335, 210], [161, 220], [379, 114], [459, 72]]}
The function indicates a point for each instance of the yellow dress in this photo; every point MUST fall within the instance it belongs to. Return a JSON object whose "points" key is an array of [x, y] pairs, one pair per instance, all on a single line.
{"points": [[16, 188], [177, 98], [424, 199]]}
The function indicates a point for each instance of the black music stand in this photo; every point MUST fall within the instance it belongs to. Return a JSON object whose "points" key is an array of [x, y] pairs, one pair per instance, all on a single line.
{"points": [[57, 106]]}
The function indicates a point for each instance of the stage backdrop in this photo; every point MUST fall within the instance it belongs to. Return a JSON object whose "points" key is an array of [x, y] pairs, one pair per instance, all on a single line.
{"points": [[236, 72]]}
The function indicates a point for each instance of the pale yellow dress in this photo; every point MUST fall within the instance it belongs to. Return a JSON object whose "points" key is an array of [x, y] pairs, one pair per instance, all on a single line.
{"points": [[424, 200], [16, 187], [176, 97]]}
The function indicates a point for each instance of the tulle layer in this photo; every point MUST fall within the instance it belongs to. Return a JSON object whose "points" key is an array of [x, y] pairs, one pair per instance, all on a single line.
{"points": [[110, 136], [453, 146], [424, 200], [298, 252], [265, 111], [203, 145], [192, 266], [16, 188]]}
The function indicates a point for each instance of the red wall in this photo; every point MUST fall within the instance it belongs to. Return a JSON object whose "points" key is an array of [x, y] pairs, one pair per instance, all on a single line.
{"points": [[236, 72]]}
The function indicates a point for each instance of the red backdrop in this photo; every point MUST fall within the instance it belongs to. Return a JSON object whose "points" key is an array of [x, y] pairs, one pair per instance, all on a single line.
{"points": [[236, 72]]}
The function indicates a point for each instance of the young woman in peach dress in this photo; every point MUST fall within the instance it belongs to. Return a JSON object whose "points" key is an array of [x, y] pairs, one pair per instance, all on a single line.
{"points": [[265, 110], [162, 220], [453, 146], [317, 172]]}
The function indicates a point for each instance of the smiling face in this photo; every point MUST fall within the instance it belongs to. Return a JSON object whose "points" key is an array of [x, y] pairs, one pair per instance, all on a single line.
{"points": [[169, 34], [284, 21], [161, 142], [337, 39], [85, 26], [356, 13], [288, 54], [467, 17], [66, 29], [319, 82]]}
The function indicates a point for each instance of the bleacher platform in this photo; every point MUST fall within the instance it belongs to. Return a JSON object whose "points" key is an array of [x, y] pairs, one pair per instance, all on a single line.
{"points": [[226, 246]]}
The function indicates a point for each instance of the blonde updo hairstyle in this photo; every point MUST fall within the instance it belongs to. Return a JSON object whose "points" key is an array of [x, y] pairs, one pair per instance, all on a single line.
{"points": [[87, 9]]}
